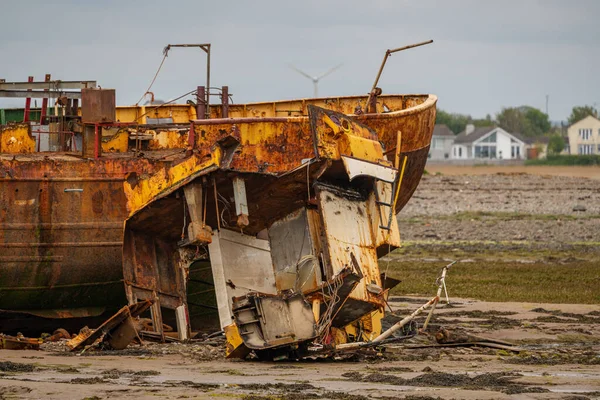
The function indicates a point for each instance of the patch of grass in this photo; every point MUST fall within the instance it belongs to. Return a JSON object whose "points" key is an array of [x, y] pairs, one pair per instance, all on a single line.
{"points": [[592, 159], [559, 253], [495, 215], [536, 282]]}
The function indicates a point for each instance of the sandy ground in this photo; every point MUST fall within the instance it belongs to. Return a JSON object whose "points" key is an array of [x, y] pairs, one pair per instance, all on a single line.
{"points": [[575, 171], [559, 345], [560, 359]]}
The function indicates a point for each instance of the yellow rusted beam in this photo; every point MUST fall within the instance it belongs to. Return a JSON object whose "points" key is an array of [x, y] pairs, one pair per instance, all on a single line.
{"points": [[142, 191]]}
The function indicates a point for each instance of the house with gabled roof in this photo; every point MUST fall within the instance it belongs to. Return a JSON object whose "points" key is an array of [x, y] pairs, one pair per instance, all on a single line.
{"points": [[441, 143], [584, 136], [487, 143]]}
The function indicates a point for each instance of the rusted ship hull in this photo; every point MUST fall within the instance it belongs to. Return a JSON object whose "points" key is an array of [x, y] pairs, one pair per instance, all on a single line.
{"points": [[61, 233], [61, 217]]}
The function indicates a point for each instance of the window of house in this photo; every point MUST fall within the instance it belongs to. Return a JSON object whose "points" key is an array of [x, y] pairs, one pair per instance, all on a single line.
{"points": [[438, 143], [586, 149], [460, 152], [485, 151], [490, 139], [515, 151], [585, 134]]}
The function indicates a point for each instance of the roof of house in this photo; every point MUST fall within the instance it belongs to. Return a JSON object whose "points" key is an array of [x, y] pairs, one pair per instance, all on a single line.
{"points": [[478, 133], [584, 118], [442, 130]]}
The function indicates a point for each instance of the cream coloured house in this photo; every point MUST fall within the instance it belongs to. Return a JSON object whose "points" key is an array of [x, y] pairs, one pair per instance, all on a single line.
{"points": [[584, 136]]}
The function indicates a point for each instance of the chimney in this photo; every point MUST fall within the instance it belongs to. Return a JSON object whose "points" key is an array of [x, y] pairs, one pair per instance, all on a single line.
{"points": [[470, 128]]}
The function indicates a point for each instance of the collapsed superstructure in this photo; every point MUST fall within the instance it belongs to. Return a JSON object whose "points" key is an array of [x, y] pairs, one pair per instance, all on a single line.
{"points": [[275, 213]]}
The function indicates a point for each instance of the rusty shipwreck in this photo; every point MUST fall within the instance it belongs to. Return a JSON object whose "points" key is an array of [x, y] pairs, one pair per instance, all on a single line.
{"points": [[265, 219]]}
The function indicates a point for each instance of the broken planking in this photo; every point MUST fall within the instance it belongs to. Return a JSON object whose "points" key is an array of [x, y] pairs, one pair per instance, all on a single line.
{"points": [[110, 326], [19, 343]]}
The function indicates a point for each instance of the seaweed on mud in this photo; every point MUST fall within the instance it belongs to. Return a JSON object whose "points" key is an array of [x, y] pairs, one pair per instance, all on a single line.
{"points": [[9, 366], [498, 381], [494, 323], [568, 318], [12, 392], [115, 373], [391, 369], [331, 395], [551, 358], [477, 314], [89, 381], [194, 385], [287, 387], [67, 370]]}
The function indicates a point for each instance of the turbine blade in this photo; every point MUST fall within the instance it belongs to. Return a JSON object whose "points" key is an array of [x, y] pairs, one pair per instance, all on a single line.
{"points": [[329, 72], [301, 72]]}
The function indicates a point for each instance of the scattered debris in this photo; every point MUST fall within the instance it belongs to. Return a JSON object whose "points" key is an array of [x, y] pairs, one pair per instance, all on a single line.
{"points": [[19, 342], [117, 330]]}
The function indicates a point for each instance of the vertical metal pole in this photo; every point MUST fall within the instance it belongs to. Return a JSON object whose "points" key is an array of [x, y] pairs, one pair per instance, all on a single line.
{"points": [[201, 102], [27, 103], [192, 136], [225, 102], [44, 103], [208, 81], [96, 142]]}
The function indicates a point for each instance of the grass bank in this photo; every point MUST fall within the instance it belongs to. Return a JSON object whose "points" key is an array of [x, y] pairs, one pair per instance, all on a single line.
{"points": [[518, 274], [592, 159]]}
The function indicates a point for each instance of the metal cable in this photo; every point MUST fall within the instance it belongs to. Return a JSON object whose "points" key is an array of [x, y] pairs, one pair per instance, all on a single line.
{"points": [[166, 53], [164, 104]]}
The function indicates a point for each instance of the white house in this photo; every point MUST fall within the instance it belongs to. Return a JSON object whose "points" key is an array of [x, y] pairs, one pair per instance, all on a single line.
{"points": [[487, 143], [584, 136]]}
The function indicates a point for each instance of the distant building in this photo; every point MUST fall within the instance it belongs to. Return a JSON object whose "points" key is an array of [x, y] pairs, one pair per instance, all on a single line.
{"points": [[441, 143], [536, 147], [487, 143], [584, 136]]}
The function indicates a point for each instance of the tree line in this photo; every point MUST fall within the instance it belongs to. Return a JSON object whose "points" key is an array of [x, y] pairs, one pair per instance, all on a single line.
{"points": [[525, 120]]}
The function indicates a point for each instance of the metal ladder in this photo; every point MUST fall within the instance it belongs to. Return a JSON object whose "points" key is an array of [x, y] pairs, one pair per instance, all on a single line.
{"points": [[394, 198]]}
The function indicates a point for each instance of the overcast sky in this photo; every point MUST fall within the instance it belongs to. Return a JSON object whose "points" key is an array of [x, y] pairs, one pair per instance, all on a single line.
{"points": [[487, 54]]}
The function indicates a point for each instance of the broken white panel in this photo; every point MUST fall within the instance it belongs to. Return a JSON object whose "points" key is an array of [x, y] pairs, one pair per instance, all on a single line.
{"points": [[295, 264], [347, 230], [243, 260], [182, 322], [355, 167], [239, 194]]}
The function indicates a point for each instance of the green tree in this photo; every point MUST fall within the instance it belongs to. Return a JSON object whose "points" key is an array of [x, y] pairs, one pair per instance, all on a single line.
{"points": [[556, 144], [512, 120], [525, 120], [458, 122], [580, 112], [539, 123]]}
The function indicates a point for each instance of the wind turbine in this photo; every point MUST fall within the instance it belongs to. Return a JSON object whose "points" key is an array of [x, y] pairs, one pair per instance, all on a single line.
{"points": [[315, 79]]}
